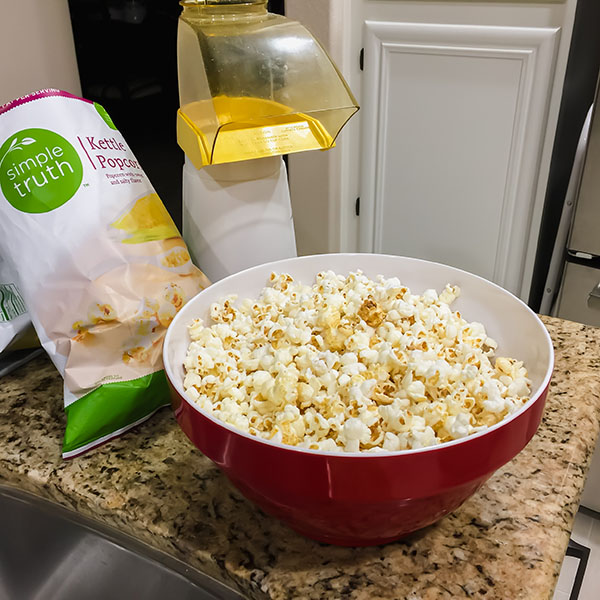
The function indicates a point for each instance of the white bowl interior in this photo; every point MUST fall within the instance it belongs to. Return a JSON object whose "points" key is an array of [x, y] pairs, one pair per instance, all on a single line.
{"points": [[518, 331]]}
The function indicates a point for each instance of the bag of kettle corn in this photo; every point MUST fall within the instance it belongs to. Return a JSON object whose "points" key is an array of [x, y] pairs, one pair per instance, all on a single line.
{"points": [[101, 265]]}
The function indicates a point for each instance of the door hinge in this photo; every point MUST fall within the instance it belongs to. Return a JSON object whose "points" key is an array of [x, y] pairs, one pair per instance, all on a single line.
{"points": [[361, 59], [357, 207]]}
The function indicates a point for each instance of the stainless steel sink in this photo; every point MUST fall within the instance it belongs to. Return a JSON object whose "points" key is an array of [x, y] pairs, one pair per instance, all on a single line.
{"points": [[51, 553]]}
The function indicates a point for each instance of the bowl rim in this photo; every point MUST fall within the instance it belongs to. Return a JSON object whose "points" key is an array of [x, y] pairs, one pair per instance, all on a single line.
{"points": [[366, 454]]}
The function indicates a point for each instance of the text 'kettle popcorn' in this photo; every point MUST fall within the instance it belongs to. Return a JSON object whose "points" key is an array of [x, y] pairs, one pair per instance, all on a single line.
{"points": [[350, 364]]}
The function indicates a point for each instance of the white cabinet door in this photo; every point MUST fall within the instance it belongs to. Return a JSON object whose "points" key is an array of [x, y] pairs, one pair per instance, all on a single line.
{"points": [[451, 149], [453, 125]]}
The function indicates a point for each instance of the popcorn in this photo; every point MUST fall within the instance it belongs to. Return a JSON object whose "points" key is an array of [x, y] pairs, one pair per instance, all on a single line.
{"points": [[350, 364]]}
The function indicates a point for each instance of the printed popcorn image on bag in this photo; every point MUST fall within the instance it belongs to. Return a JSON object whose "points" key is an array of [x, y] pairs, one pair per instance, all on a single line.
{"points": [[100, 263]]}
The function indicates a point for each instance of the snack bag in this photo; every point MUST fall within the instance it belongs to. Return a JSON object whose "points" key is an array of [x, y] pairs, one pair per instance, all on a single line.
{"points": [[14, 319], [101, 265]]}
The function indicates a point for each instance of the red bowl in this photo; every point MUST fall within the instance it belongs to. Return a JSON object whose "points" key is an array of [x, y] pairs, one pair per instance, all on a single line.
{"points": [[359, 499]]}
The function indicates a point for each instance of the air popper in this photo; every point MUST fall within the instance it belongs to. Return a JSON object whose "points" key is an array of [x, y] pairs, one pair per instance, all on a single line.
{"points": [[253, 87]]}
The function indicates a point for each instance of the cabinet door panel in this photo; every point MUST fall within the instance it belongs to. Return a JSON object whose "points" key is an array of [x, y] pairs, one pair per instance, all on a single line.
{"points": [[453, 128]]}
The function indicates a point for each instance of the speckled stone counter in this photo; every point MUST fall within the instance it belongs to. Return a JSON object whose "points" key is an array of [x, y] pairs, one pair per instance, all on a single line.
{"points": [[506, 542]]}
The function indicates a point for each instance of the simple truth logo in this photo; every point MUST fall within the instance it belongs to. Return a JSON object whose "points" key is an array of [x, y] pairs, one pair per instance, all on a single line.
{"points": [[39, 170]]}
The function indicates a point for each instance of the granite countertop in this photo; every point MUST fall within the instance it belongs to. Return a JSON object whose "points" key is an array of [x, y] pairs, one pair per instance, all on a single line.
{"points": [[507, 541]]}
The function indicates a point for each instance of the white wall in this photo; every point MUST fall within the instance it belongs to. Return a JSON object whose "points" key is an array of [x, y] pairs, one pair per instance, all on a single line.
{"points": [[37, 49], [323, 189]]}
